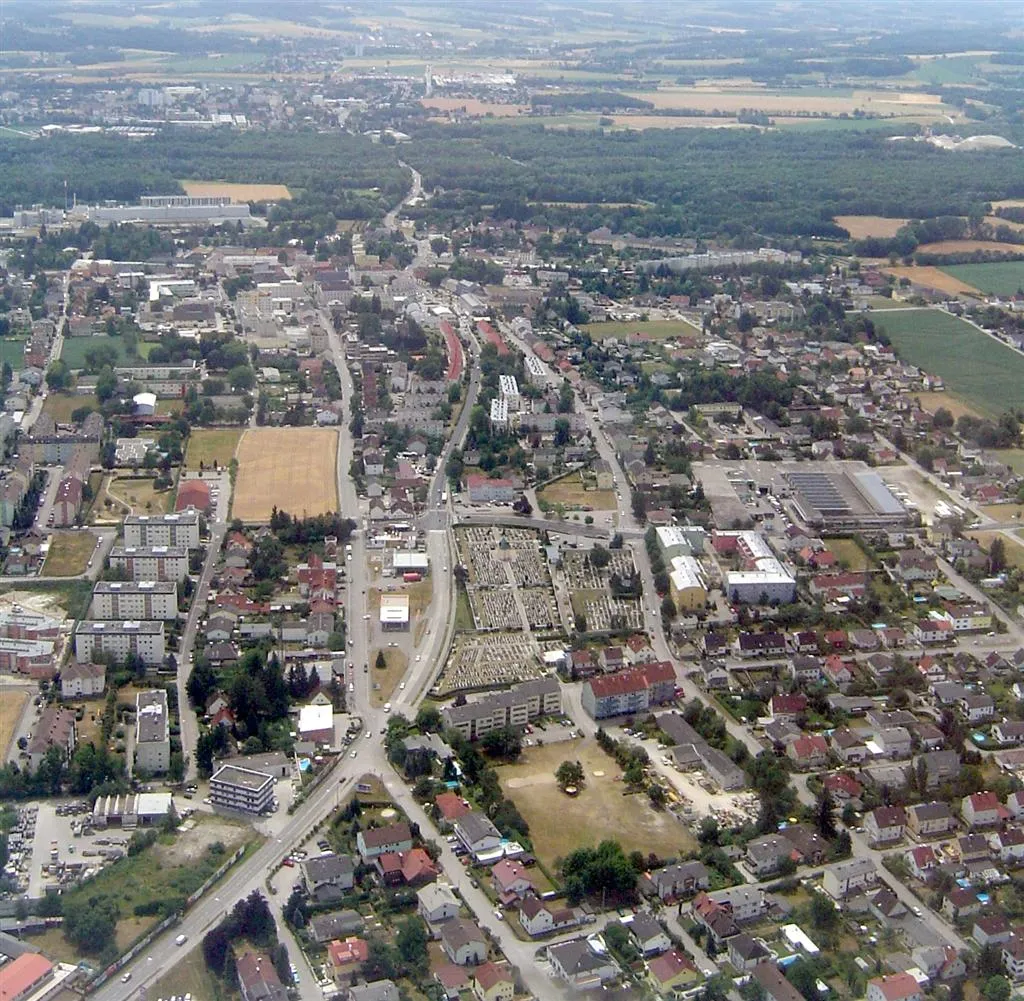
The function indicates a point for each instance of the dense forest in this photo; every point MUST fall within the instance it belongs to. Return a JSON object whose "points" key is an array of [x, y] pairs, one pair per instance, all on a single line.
{"points": [[330, 176], [705, 183]]}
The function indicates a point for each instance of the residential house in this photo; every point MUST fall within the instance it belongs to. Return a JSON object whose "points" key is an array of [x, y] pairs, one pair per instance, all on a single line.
{"points": [[436, 903], [648, 934], [895, 987], [808, 753], [680, 880], [992, 929], [846, 879], [258, 979], [477, 834], [1009, 732], [331, 873], [765, 854], [921, 861], [885, 824], [510, 881], [849, 746], [1008, 845], [787, 707], [463, 943], [540, 917], [746, 952], [939, 962], [982, 809], [493, 982], [774, 985], [805, 668], [670, 971], [347, 957], [1015, 804], [895, 742], [378, 840], [961, 903], [940, 767], [1013, 956], [579, 966]]}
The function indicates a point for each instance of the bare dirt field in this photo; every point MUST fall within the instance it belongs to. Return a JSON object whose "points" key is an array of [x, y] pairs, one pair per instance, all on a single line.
{"points": [[292, 469], [931, 402], [967, 247], [1009, 203], [862, 227], [934, 278], [558, 823], [474, 107], [237, 192]]}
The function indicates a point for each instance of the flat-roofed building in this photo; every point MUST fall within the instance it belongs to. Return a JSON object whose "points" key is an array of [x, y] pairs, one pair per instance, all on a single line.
{"points": [[394, 611], [143, 599], [242, 789], [120, 638], [517, 707], [179, 529], [150, 562], [152, 731], [687, 585]]}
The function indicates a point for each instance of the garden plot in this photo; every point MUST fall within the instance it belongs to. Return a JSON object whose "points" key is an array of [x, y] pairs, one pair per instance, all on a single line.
{"points": [[541, 608], [488, 661], [494, 609]]}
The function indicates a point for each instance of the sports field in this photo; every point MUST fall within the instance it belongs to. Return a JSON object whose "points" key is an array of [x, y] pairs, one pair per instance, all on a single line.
{"points": [[659, 330], [987, 374], [292, 469], [998, 278]]}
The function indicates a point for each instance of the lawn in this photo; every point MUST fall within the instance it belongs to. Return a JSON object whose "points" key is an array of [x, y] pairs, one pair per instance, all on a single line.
{"points": [[847, 551], [659, 330], [1003, 512], [11, 706], [73, 349], [930, 402], [1003, 278], [69, 554], [559, 824], [12, 351], [569, 492], [1014, 550], [988, 374], [463, 612], [139, 494], [1013, 457], [210, 446], [388, 678], [60, 406]]}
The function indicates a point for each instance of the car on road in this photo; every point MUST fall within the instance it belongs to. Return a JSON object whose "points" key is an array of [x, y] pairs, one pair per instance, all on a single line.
{"points": [[499, 913], [126, 977], [181, 940], [401, 687], [290, 862], [418, 658], [387, 707], [354, 754], [366, 616], [917, 910]]}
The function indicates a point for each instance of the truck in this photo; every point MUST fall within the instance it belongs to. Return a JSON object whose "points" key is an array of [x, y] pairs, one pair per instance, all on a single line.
{"points": [[412, 577]]}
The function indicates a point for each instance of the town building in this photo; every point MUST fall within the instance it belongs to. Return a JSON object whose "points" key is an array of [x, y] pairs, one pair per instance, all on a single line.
{"points": [[242, 789], [120, 639], [150, 562], [180, 529], [145, 599], [516, 707], [152, 732]]}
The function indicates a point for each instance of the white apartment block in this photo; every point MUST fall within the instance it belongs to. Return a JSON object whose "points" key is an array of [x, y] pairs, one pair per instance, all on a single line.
{"points": [[151, 562], [242, 789], [152, 731], [499, 414], [119, 639], [536, 370], [181, 529], [508, 387], [144, 599]]}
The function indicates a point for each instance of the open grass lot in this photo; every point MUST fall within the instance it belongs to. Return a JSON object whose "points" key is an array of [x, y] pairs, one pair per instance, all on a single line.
{"points": [[73, 349], [1013, 457], [987, 374], [69, 554], [860, 227], [12, 351], [11, 706], [659, 330], [930, 277], [191, 975], [569, 492], [212, 445], [847, 551], [237, 192], [1014, 550], [139, 494], [998, 278], [968, 247], [388, 677], [293, 469], [1003, 512], [931, 402], [558, 824], [60, 406], [166, 872]]}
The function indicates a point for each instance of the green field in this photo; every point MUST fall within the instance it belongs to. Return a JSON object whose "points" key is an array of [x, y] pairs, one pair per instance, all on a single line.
{"points": [[948, 69], [661, 330], [999, 278], [74, 349], [989, 375], [12, 351]]}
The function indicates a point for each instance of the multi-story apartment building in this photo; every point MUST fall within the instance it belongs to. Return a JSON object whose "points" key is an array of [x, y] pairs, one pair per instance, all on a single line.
{"points": [[145, 599], [517, 707], [627, 692], [180, 529], [120, 638], [242, 789], [151, 562], [152, 731]]}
